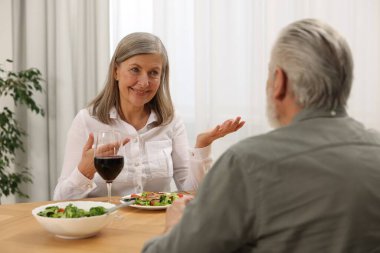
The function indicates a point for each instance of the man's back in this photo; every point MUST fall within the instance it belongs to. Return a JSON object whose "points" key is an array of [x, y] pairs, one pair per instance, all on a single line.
{"points": [[313, 186], [316, 186]]}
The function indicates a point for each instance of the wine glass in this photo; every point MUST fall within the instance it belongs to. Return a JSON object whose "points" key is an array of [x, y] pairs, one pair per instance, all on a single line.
{"points": [[108, 158]]}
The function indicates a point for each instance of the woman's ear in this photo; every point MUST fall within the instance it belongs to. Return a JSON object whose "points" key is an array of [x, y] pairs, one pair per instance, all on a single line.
{"points": [[280, 84], [116, 72]]}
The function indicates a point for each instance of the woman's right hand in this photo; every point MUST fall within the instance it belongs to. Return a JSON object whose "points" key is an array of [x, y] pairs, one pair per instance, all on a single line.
{"points": [[86, 164]]}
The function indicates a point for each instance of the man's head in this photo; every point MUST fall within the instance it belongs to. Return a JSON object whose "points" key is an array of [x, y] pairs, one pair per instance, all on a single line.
{"points": [[311, 67]]}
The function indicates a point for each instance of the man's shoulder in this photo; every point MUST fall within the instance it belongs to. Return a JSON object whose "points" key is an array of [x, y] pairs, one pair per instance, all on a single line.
{"points": [[374, 135], [262, 148], [304, 137], [267, 140]]}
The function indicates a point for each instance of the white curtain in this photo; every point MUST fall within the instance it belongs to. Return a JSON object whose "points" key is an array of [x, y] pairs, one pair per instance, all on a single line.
{"points": [[68, 40], [219, 51]]}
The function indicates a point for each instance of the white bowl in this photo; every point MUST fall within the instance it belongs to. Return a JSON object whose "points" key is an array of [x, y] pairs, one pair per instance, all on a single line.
{"points": [[74, 228]]}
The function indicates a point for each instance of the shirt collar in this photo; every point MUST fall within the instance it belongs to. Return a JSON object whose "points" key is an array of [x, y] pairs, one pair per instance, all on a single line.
{"points": [[311, 113], [152, 116]]}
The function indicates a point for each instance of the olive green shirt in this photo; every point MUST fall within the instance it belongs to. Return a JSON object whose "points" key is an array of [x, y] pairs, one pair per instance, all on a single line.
{"points": [[312, 186]]}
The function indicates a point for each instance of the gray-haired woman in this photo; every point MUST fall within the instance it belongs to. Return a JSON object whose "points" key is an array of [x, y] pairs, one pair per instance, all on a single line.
{"points": [[136, 102]]}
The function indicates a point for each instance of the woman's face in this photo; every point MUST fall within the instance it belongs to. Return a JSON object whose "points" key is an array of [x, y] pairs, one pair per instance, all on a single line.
{"points": [[139, 79]]}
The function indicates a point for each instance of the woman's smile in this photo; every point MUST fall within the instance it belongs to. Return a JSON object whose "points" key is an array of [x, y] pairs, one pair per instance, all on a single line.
{"points": [[139, 92]]}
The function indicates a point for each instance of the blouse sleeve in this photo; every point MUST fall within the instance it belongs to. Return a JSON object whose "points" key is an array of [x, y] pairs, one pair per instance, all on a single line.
{"points": [[72, 184], [189, 164]]}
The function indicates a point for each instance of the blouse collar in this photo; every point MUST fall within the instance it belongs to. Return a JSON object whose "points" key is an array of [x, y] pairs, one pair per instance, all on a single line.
{"points": [[152, 116]]}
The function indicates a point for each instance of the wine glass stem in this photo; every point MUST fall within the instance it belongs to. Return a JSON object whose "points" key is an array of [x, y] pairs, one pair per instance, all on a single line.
{"points": [[109, 185]]}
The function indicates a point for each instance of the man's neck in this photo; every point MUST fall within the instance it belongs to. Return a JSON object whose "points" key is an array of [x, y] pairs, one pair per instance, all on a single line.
{"points": [[288, 110]]}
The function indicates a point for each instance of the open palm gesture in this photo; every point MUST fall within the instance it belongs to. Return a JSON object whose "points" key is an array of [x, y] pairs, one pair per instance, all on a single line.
{"points": [[229, 126]]}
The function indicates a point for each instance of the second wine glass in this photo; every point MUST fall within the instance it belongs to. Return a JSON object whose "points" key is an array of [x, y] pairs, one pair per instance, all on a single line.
{"points": [[108, 157]]}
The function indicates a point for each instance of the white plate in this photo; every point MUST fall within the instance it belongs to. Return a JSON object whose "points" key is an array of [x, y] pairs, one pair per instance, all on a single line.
{"points": [[144, 207]]}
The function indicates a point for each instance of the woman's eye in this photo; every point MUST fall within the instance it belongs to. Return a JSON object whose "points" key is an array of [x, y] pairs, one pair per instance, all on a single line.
{"points": [[134, 70], [154, 74]]}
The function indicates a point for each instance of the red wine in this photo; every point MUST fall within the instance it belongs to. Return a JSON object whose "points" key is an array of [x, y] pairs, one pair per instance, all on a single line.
{"points": [[109, 167]]}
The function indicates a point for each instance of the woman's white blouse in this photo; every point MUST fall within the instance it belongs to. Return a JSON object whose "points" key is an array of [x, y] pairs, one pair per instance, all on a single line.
{"points": [[152, 158]]}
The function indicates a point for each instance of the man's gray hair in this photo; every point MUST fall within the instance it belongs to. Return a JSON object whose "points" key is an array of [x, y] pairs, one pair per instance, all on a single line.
{"points": [[318, 64]]}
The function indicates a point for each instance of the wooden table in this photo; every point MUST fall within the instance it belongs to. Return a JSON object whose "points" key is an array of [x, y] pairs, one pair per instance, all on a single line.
{"points": [[20, 232]]}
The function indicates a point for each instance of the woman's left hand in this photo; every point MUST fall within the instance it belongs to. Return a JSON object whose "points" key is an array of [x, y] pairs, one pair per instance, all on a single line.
{"points": [[206, 138], [175, 211]]}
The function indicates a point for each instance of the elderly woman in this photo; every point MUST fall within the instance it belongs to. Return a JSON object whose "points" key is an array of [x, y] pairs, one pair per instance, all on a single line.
{"points": [[136, 102]]}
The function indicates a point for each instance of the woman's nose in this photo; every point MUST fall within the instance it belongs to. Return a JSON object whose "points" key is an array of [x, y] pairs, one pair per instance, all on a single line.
{"points": [[143, 80]]}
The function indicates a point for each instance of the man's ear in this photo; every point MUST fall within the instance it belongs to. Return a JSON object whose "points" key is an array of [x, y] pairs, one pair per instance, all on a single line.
{"points": [[280, 84]]}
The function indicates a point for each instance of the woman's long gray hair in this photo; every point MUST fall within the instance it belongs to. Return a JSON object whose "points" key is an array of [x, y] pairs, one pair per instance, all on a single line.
{"points": [[317, 62]]}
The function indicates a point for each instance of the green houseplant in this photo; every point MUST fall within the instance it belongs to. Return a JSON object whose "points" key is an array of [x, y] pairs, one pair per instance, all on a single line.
{"points": [[20, 86]]}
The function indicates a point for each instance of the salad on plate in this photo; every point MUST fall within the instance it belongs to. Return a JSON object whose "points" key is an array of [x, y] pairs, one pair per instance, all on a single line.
{"points": [[152, 200]]}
